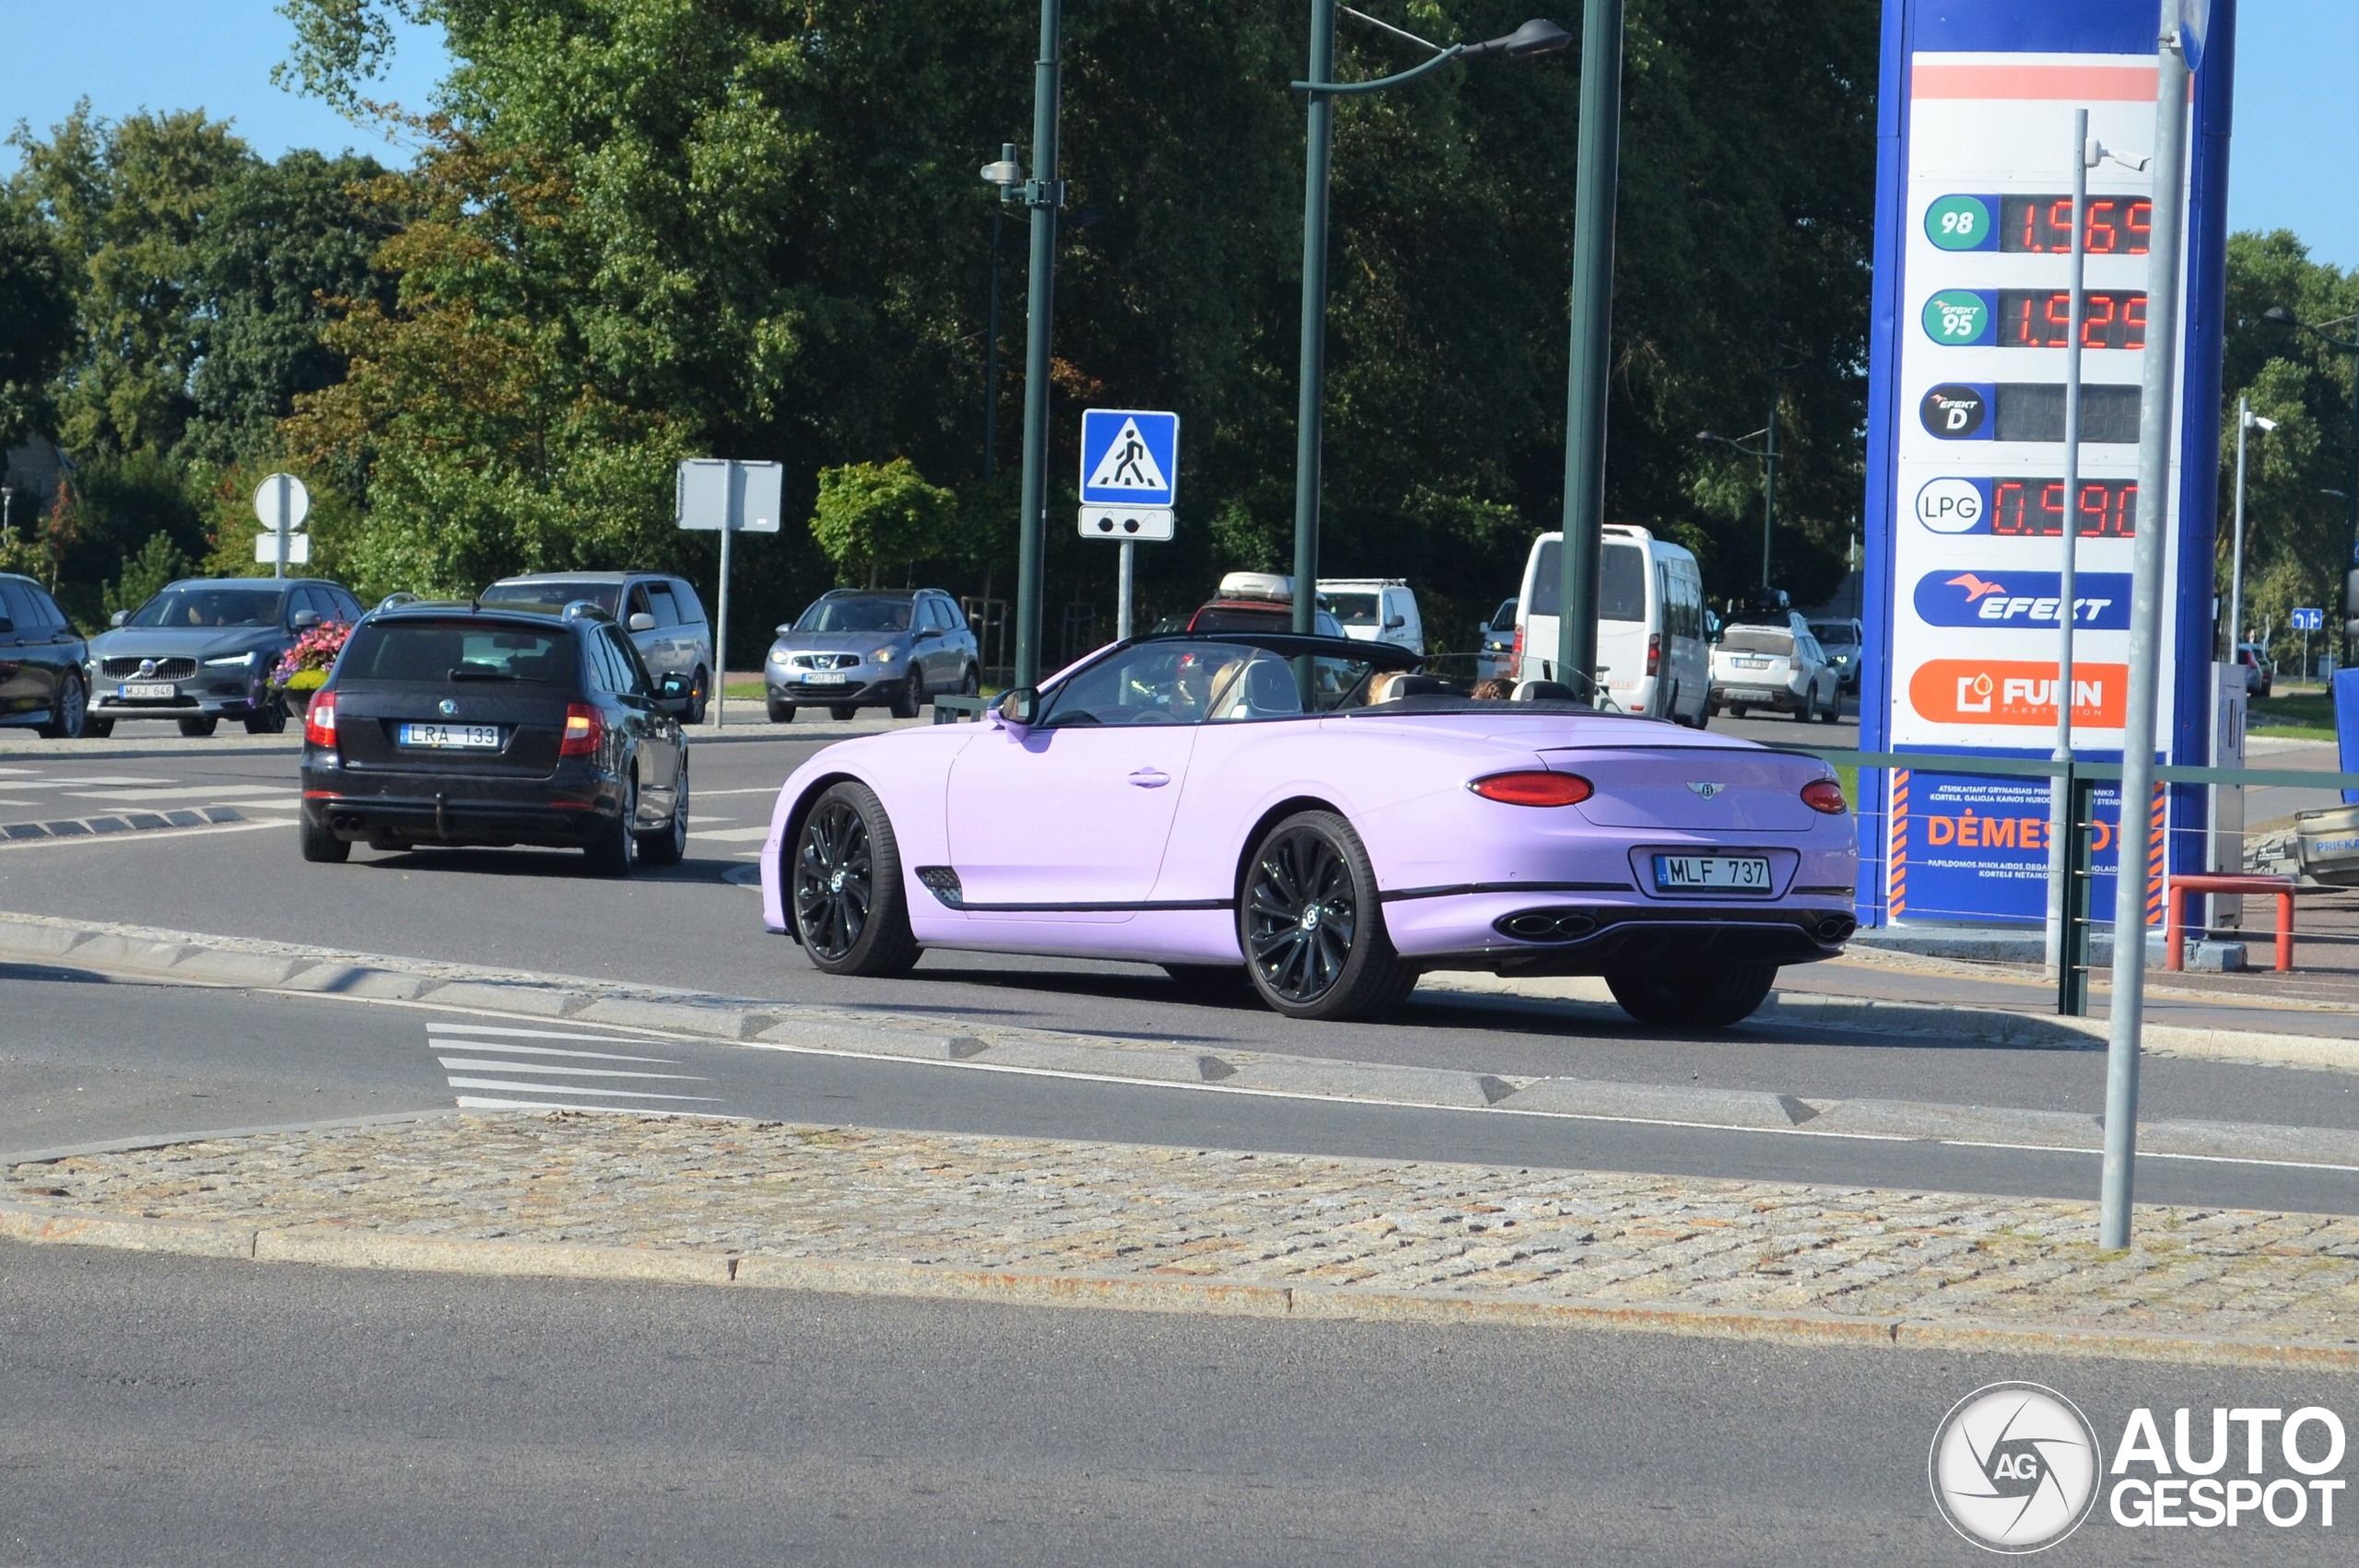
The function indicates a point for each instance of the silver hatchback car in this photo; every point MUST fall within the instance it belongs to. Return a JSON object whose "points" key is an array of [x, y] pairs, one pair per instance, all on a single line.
{"points": [[864, 648]]}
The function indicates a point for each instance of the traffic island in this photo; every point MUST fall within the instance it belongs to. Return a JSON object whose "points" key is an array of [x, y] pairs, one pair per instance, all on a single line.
{"points": [[742, 1205]]}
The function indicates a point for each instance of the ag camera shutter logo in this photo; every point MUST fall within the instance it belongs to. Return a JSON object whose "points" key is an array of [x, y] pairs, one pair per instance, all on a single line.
{"points": [[2014, 1467], [1952, 506]]}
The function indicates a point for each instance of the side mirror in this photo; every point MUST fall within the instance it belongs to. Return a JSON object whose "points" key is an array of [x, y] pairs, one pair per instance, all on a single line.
{"points": [[675, 698], [1020, 708], [1396, 623], [643, 622], [118, 617], [305, 620]]}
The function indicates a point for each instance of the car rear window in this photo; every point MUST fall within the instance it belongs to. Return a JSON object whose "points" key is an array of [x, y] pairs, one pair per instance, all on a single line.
{"points": [[1621, 588], [1757, 639], [607, 596], [436, 652]]}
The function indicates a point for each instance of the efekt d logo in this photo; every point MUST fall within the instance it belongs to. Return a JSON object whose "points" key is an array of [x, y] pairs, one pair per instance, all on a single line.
{"points": [[1957, 410]]}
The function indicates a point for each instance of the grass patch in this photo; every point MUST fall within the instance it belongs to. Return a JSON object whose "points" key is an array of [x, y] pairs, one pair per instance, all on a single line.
{"points": [[2304, 716]]}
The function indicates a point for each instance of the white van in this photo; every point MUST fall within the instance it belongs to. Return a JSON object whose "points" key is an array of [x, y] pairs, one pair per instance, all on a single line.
{"points": [[1651, 653], [1375, 609]]}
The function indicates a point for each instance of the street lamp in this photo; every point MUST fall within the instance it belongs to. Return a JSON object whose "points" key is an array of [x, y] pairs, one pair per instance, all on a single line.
{"points": [[1766, 455], [1536, 37], [2279, 316], [7, 516], [2247, 421]]}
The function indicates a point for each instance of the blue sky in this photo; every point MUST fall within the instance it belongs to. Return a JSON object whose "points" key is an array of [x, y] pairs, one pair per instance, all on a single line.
{"points": [[2297, 118]]}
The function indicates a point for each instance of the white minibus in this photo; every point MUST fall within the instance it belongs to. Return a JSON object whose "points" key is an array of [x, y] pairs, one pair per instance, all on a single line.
{"points": [[1652, 655]]}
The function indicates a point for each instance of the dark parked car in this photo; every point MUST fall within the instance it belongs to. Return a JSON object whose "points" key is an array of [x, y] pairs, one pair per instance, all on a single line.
{"points": [[444, 724], [865, 648], [202, 650], [664, 618], [42, 681]]}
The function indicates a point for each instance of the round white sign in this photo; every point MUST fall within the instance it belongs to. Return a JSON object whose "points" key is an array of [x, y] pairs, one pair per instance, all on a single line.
{"points": [[2015, 1467], [1949, 506], [282, 491]]}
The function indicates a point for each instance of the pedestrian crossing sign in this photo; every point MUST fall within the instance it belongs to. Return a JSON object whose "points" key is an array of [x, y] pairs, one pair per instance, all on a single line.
{"points": [[1128, 457]]}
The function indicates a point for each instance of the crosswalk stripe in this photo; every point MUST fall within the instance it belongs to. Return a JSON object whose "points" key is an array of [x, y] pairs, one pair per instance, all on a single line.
{"points": [[731, 834], [578, 1089], [512, 1050], [439, 1027], [540, 1067]]}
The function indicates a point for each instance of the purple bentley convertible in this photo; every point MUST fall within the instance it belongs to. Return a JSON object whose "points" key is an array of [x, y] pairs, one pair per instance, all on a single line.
{"points": [[1312, 817]]}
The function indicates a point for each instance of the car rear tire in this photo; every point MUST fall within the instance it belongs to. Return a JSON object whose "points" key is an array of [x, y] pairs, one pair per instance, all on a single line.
{"points": [[1311, 928], [1696, 998], [911, 697], [781, 712], [843, 712], [321, 845], [668, 844], [199, 727], [69, 713], [610, 845], [844, 891], [1738, 711]]}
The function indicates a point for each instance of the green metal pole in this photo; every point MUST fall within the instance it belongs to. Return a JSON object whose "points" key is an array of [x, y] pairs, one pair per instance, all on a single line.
{"points": [[1044, 194], [1600, 157], [1769, 478], [1312, 392]]}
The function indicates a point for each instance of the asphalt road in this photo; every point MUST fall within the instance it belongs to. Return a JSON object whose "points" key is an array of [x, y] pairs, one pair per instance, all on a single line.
{"points": [[84, 1060], [163, 1409]]}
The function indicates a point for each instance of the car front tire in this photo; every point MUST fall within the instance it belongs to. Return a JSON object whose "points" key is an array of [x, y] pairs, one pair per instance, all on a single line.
{"points": [[843, 712], [844, 891], [1311, 928], [911, 697], [700, 696], [781, 712], [97, 728], [1692, 999], [198, 728]]}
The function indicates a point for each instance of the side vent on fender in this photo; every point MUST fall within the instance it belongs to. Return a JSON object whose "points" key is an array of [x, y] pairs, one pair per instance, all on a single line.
{"points": [[943, 882]]}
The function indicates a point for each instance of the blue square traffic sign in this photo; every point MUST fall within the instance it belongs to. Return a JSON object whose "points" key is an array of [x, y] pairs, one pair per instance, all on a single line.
{"points": [[1128, 457], [2309, 620]]}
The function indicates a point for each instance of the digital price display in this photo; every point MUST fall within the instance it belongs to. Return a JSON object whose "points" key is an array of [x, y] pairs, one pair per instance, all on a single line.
{"points": [[2033, 509], [2034, 317], [2027, 509], [2110, 225], [2027, 411]]}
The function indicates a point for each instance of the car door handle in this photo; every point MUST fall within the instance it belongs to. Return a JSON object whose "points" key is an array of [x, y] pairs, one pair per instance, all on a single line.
{"points": [[1150, 777]]}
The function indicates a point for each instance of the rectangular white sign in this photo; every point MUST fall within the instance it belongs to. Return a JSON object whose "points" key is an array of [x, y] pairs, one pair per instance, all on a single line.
{"points": [[721, 493], [1153, 524], [298, 549]]}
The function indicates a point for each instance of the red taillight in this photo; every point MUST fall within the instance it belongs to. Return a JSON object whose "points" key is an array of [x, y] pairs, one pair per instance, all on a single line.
{"points": [[1824, 795], [1534, 788], [318, 720], [1654, 653], [1515, 660], [584, 731]]}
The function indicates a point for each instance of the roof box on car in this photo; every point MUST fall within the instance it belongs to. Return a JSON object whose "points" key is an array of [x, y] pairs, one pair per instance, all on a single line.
{"points": [[1257, 585]]}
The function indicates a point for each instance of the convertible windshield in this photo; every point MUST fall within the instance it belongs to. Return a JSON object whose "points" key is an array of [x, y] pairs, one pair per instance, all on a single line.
{"points": [[856, 615], [607, 596], [431, 652], [1200, 683], [210, 607]]}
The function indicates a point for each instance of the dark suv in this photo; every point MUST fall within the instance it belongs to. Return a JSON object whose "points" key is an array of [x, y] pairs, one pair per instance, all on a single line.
{"points": [[41, 662], [446, 725], [202, 650]]}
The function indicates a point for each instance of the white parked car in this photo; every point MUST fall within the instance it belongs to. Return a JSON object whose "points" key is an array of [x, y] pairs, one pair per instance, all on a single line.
{"points": [[1651, 653], [1375, 609], [1775, 665]]}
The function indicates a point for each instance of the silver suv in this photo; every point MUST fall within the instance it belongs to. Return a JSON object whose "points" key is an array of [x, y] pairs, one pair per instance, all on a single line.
{"points": [[862, 648], [662, 614]]}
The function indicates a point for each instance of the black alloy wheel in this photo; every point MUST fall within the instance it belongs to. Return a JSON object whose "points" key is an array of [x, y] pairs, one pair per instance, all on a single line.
{"points": [[1311, 927], [668, 844], [844, 890], [194, 727], [70, 713], [611, 843], [1696, 998]]}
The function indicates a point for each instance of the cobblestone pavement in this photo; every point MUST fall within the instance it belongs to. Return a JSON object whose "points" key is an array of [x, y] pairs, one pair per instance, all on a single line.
{"points": [[1108, 1210]]}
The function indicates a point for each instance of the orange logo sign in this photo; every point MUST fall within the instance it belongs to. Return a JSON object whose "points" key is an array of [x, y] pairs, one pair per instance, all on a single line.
{"points": [[2016, 691]]}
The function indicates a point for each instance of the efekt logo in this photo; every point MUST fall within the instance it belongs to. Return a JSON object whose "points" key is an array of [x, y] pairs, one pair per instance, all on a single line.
{"points": [[1984, 597]]}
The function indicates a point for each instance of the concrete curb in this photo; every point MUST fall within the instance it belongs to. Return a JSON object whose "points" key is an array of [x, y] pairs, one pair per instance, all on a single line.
{"points": [[196, 959], [340, 1248]]}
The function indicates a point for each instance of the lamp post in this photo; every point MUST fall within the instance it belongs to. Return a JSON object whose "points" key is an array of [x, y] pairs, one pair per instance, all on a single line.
{"points": [[2279, 316], [1589, 355], [1005, 175], [1535, 37], [7, 516], [2247, 421], [1766, 455]]}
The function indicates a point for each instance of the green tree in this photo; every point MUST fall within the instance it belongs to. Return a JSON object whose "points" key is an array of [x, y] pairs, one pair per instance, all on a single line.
{"points": [[872, 517], [159, 563], [36, 321]]}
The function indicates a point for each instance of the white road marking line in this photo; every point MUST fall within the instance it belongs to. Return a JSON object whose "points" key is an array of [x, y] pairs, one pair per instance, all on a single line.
{"points": [[485, 1103], [482, 1065], [436, 1027], [200, 791], [704, 795], [732, 834], [577, 1089], [549, 1051], [93, 781]]}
